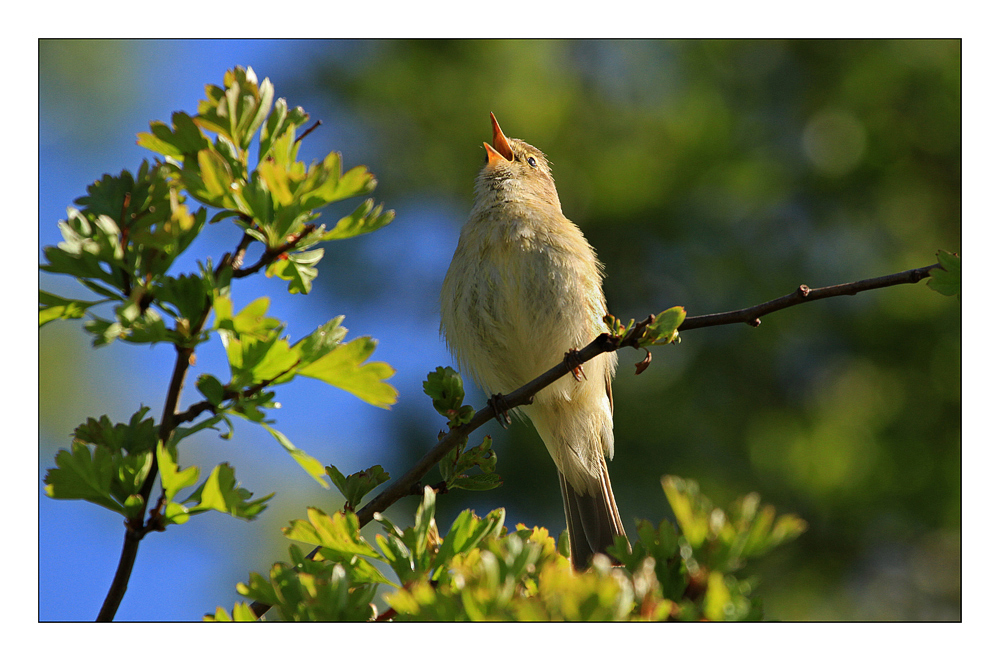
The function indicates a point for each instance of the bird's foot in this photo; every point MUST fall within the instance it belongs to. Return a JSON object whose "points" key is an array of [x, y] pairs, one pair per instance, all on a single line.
{"points": [[575, 365], [500, 409]]}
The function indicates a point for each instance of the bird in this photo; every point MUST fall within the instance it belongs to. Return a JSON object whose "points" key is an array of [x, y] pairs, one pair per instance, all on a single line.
{"points": [[522, 293]]}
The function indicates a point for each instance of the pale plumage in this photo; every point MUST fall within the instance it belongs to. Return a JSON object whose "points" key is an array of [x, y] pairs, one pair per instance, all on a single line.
{"points": [[523, 288]]}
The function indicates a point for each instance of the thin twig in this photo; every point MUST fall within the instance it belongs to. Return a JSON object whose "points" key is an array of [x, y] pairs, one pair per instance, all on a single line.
{"points": [[123, 226], [804, 294], [134, 528], [310, 130], [273, 253]]}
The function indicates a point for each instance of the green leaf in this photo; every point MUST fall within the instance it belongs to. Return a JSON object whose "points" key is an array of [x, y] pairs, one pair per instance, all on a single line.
{"points": [[356, 486], [455, 464], [339, 533], [253, 320], [81, 476], [259, 589], [89, 245], [108, 196], [312, 591], [183, 140], [279, 182], [132, 471], [211, 388], [222, 493], [423, 519], [139, 435], [321, 341], [241, 613], [104, 331], [311, 466], [398, 556], [445, 388], [237, 110], [255, 113], [362, 571], [208, 178], [272, 362], [254, 200], [187, 295], [664, 327], [482, 482], [281, 124], [467, 532], [181, 432], [345, 368], [684, 501], [52, 307], [138, 324], [122, 458], [321, 184], [947, 280], [255, 352], [129, 229], [171, 477], [717, 597], [297, 268], [366, 218]]}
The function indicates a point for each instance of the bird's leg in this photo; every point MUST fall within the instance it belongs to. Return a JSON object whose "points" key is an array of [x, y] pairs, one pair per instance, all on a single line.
{"points": [[575, 365], [498, 403]]}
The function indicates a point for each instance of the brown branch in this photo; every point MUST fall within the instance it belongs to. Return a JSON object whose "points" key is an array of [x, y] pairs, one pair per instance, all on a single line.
{"points": [[309, 130], [273, 253], [236, 260], [134, 528], [603, 343], [205, 406], [804, 294], [123, 226], [193, 411], [523, 395], [403, 485]]}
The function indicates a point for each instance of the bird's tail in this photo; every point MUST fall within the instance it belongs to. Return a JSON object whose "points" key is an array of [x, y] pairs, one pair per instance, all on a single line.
{"points": [[592, 521]]}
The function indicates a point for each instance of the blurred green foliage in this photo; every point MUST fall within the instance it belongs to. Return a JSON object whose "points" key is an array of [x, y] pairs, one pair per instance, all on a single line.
{"points": [[717, 175], [480, 571]]}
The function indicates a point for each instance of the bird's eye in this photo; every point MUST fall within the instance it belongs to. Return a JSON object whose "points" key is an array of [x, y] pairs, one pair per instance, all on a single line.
{"points": [[531, 161]]}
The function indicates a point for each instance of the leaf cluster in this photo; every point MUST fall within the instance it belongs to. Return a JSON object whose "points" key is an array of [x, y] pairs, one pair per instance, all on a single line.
{"points": [[659, 329], [356, 486], [445, 388], [479, 570], [107, 464], [120, 242], [447, 392]]}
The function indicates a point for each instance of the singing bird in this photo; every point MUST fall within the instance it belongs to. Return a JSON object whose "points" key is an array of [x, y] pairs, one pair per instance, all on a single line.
{"points": [[523, 289]]}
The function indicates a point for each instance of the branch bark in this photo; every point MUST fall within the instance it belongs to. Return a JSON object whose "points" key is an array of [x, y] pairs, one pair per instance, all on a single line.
{"points": [[409, 482], [272, 254], [136, 529], [804, 294]]}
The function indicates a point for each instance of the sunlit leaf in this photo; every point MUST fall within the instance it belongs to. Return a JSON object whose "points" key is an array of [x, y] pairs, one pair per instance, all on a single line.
{"points": [[310, 465], [345, 368]]}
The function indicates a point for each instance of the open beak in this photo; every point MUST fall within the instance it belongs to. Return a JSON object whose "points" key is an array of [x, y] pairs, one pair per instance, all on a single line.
{"points": [[500, 147]]}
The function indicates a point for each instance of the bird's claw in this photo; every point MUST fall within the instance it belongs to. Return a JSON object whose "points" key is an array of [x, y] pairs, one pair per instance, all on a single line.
{"points": [[575, 365], [500, 409]]}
